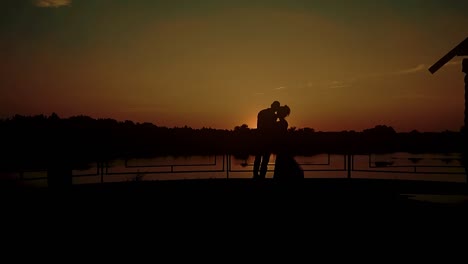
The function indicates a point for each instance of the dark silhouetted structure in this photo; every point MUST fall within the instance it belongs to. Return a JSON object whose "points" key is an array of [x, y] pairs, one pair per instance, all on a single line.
{"points": [[460, 50], [266, 122]]}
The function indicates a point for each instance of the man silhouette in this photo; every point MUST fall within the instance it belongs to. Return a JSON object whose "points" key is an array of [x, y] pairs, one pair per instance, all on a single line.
{"points": [[266, 120]]}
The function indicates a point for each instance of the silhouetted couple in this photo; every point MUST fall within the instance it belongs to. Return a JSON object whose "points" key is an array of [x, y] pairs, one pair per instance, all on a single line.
{"points": [[272, 129]]}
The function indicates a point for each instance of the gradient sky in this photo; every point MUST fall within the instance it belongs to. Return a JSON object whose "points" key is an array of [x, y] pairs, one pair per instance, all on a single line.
{"points": [[339, 65]]}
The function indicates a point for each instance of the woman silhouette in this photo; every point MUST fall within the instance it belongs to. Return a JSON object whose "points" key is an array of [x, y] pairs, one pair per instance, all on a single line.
{"points": [[286, 167]]}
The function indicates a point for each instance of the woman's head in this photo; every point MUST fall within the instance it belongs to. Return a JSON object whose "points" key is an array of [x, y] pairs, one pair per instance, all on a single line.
{"points": [[284, 111]]}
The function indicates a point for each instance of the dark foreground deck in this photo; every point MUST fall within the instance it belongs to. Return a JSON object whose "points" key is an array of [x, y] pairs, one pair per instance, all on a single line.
{"points": [[202, 206], [226, 193]]}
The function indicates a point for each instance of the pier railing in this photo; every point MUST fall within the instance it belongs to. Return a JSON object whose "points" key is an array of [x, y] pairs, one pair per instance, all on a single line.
{"points": [[223, 165]]}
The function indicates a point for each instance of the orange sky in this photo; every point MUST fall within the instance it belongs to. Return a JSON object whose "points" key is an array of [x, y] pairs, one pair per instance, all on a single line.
{"points": [[338, 66]]}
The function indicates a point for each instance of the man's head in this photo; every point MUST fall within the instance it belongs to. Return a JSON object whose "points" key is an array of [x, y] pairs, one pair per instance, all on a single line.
{"points": [[275, 105]]}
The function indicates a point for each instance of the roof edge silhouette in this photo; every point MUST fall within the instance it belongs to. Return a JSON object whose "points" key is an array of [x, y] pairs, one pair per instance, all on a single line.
{"points": [[460, 50]]}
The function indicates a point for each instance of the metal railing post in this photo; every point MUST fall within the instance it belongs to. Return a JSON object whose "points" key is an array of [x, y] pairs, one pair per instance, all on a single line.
{"points": [[227, 166], [102, 171], [349, 166]]}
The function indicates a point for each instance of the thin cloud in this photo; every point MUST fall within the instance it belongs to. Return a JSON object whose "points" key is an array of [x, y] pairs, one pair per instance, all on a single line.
{"points": [[454, 63], [281, 88], [423, 67], [329, 85], [52, 3], [419, 68], [338, 85], [412, 96]]}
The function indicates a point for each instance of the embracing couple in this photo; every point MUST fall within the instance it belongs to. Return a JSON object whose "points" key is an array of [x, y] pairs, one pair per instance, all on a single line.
{"points": [[272, 129]]}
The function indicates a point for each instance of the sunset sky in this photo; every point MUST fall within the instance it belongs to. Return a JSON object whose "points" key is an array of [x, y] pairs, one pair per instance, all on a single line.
{"points": [[339, 65]]}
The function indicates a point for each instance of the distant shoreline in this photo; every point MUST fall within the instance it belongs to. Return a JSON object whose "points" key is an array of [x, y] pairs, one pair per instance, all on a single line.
{"points": [[39, 140]]}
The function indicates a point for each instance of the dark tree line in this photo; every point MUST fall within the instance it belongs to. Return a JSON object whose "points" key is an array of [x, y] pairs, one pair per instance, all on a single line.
{"points": [[39, 140]]}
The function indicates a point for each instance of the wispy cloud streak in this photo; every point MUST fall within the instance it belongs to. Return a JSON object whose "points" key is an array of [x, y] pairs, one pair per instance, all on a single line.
{"points": [[418, 68], [422, 67], [52, 3], [281, 88]]}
